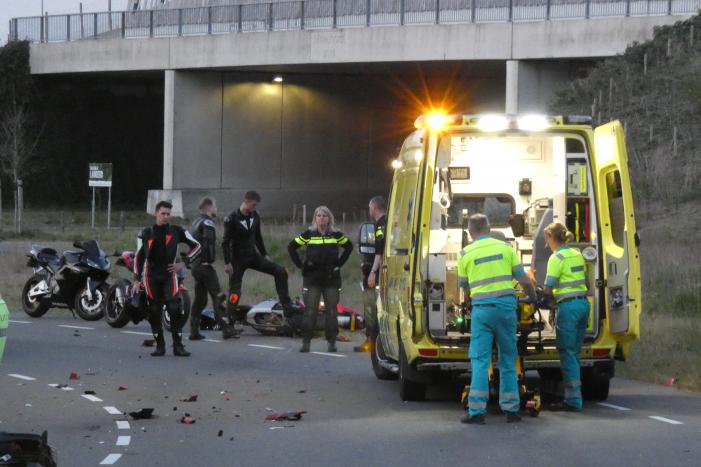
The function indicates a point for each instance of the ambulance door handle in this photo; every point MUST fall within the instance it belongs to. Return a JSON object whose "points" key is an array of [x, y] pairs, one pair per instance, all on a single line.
{"points": [[406, 266]]}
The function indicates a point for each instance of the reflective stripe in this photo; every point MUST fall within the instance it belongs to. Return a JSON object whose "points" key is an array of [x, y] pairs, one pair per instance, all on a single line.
{"points": [[552, 281], [491, 280], [570, 295], [301, 241], [488, 259], [476, 393], [572, 384], [343, 240], [494, 294], [507, 407], [577, 268], [572, 393], [323, 241], [509, 396], [563, 285], [560, 257], [476, 405]]}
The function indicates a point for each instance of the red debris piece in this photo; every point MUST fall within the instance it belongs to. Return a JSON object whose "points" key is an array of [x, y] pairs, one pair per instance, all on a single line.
{"points": [[227, 398], [282, 416], [148, 343], [74, 375], [187, 419], [670, 382], [343, 338]]}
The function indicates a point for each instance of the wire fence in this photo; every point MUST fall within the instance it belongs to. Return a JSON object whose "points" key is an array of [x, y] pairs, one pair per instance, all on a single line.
{"points": [[324, 14]]}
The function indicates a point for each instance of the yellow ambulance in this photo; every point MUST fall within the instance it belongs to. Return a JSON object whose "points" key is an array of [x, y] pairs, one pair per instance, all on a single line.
{"points": [[523, 172]]}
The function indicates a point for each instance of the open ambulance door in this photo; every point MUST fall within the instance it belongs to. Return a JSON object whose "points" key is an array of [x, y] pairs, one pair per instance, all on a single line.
{"points": [[619, 239]]}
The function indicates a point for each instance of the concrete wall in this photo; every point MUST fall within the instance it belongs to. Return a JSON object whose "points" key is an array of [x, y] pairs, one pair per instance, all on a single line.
{"points": [[482, 41]]}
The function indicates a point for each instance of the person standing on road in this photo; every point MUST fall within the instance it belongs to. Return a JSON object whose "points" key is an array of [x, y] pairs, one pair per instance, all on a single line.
{"points": [[155, 265], [206, 280], [566, 281], [244, 249], [377, 209], [322, 273], [485, 269]]}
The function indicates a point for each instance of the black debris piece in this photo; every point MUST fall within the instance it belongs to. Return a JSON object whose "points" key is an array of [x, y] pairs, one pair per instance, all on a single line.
{"points": [[221, 433], [141, 414], [148, 343], [88, 392], [192, 398]]}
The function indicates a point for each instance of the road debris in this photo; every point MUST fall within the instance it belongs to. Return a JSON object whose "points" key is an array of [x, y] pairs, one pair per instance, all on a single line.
{"points": [[187, 419], [88, 392], [221, 433], [192, 398], [282, 416], [122, 388], [142, 414], [669, 382], [73, 376], [148, 343]]}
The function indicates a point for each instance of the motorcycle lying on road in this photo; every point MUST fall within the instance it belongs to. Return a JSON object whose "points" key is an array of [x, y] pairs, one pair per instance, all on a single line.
{"points": [[75, 280], [122, 306]]}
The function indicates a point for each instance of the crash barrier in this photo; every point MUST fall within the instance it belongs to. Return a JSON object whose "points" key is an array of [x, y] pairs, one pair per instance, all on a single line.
{"points": [[4, 322], [324, 14]]}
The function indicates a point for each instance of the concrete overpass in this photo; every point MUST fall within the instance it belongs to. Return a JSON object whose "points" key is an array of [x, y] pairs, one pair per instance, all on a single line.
{"points": [[228, 128]]}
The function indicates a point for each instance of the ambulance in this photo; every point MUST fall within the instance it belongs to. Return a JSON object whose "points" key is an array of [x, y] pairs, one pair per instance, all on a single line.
{"points": [[523, 172]]}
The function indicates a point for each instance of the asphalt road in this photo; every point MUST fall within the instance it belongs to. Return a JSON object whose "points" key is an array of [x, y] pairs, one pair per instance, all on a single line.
{"points": [[352, 418]]}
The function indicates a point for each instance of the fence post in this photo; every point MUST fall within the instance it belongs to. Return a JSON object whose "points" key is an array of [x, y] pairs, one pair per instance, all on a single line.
{"points": [[15, 32], [41, 25], [180, 21], [627, 7], [47, 27], [240, 17], [547, 10], [511, 10], [301, 17], [270, 16], [669, 7], [335, 22], [209, 20], [587, 6], [369, 6], [473, 11], [401, 12], [438, 11], [124, 25], [150, 23], [68, 28], [94, 25]]}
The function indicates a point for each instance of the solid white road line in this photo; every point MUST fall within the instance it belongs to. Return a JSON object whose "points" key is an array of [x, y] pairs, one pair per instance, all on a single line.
{"points": [[26, 378], [64, 388], [112, 410], [666, 420], [110, 459], [75, 327], [266, 347], [612, 406], [212, 340], [19, 322], [123, 425], [123, 440], [91, 398], [138, 333], [330, 354]]}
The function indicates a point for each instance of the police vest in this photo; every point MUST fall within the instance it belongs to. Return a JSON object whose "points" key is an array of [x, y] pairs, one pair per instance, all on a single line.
{"points": [[567, 274], [489, 266]]}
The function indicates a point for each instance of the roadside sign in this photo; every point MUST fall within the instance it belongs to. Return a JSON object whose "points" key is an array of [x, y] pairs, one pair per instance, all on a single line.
{"points": [[100, 174]]}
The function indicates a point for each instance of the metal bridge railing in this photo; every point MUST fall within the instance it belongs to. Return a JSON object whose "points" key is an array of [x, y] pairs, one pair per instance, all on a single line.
{"points": [[324, 14]]}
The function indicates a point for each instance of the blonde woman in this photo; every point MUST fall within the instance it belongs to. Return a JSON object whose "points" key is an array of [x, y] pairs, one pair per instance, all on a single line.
{"points": [[321, 271], [566, 281]]}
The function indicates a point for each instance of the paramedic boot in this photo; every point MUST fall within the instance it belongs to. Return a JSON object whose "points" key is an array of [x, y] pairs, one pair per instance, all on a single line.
{"points": [[474, 420]]}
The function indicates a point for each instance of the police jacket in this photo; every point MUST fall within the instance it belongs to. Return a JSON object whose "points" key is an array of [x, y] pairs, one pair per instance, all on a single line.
{"points": [[204, 231], [322, 252], [242, 236], [158, 247]]}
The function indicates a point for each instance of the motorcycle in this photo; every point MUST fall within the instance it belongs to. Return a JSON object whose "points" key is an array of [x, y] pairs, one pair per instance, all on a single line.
{"points": [[122, 306], [269, 318], [76, 280]]}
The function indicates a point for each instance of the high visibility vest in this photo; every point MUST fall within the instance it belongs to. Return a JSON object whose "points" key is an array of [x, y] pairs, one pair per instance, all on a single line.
{"points": [[489, 265], [567, 273]]}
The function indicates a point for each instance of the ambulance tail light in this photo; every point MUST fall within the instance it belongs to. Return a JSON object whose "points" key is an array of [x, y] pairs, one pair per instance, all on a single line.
{"points": [[600, 352], [428, 352]]}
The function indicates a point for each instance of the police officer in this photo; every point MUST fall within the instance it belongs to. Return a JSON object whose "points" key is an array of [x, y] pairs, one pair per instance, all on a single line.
{"points": [[244, 249], [370, 266], [155, 265], [486, 268], [206, 281], [322, 273], [566, 282]]}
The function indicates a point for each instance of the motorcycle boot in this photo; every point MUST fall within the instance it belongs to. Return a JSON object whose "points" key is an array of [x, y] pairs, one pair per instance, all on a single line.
{"points": [[332, 347], [160, 345], [178, 347], [229, 332]]}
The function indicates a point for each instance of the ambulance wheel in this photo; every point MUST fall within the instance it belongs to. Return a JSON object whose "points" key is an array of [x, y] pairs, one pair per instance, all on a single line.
{"points": [[377, 353], [595, 384]]}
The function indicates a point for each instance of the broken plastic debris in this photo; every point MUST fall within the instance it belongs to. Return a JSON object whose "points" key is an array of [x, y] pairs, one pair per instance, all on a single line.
{"points": [[27, 405], [141, 414], [91, 393], [221, 433], [227, 398], [61, 386], [122, 388], [148, 343], [669, 382], [302, 391], [282, 416], [73, 376], [6, 458], [343, 339], [192, 398], [187, 419], [281, 427]]}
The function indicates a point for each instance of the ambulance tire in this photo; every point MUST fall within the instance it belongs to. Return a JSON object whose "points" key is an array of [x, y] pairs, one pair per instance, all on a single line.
{"points": [[376, 354], [409, 390], [595, 384]]}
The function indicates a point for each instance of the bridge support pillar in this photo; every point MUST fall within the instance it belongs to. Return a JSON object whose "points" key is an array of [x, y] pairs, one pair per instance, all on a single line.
{"points": [[168, 128], [531, 84]]}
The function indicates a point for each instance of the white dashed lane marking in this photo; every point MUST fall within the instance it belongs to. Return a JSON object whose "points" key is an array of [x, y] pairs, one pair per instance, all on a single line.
{"points": [[272, 347], [612, 406], [123, 425], [330, 354], [138, 333], [91, 398], [212, 340], [666, 420], [17, 321], [62, 388], [123, 440], [25, 378], [75, 327], [110, 459], [112, 410]]}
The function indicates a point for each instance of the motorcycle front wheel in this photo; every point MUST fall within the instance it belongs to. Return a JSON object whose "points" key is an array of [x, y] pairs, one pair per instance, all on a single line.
{"points": [[117, 296], [184, 310], [34, 307], [91, 309]]}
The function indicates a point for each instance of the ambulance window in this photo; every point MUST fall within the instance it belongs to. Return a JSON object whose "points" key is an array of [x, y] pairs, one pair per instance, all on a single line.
{"points": [[403, 213], [614, 191], [498, 208]]}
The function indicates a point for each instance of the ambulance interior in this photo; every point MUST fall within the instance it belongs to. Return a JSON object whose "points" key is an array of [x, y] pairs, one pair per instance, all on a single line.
{"points": [[542, 177]]}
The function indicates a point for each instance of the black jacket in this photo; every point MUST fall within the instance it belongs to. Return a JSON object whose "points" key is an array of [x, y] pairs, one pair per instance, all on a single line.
{"points": [[204, 231], [242, 237], [174, 234], [321, 256]]}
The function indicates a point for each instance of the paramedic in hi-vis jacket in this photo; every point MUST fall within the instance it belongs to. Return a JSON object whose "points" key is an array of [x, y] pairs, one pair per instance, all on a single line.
{"points": [[566, 281], [486, 268]]}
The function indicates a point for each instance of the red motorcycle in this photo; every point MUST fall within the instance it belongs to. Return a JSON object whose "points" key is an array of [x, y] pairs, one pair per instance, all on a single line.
{"points": [[122, 306]]}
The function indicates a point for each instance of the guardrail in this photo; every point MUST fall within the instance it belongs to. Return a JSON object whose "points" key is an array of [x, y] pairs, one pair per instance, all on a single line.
{"points": [[324, 14]]}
